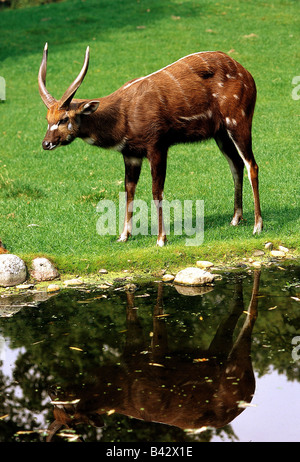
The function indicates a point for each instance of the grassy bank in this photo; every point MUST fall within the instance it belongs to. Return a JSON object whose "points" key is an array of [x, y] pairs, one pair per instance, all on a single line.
{"points": [[48, 200]]}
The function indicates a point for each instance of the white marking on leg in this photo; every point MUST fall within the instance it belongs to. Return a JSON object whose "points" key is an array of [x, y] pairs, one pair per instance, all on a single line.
{"points": [[160, 242], [134, 161], [89, 140], [247, 164], [120, 146]]}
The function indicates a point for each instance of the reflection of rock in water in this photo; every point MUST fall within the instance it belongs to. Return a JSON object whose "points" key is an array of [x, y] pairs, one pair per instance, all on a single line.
{"points": [[204, 388], [193, 290], [10, 304]]}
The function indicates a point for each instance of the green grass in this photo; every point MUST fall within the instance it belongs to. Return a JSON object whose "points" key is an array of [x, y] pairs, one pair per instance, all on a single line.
{"points": [[59, 190]]}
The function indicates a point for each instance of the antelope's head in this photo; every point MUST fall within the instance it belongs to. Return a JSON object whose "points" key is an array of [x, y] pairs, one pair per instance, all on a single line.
{"points": [[64, 116]]}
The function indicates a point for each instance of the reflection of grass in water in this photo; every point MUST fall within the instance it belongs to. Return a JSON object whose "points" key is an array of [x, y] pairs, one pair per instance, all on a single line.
{"points": [[59, 190]]}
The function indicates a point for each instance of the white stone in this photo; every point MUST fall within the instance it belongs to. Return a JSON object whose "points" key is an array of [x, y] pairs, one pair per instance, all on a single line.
{"points": [[269, 245], [194, 277], [73, 282], [43, 270], [204, 264], [53, 288], [277, 253], [283, 249], [168, 277], [258, 253], [12, 270]]}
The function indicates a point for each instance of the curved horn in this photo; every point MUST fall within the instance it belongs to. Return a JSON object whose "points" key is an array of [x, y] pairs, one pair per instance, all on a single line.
{"points": [[45, 95], [69, 94]]}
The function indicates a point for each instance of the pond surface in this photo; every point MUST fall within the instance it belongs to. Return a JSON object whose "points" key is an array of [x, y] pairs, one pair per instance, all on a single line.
{"points": [[154, 362]]}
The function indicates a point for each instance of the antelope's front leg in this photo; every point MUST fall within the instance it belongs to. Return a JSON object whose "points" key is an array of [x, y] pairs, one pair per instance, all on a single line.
{"points": [[132, 173], [158, 163]]}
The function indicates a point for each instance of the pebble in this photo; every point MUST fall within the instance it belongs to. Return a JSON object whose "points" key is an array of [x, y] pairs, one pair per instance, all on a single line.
{"points": [[283, 249], [73, 282], [168, 277], [258, 253], [25, 286], [204, 264], [194, 277], [53, 288], [268, 245], [277, 253]]}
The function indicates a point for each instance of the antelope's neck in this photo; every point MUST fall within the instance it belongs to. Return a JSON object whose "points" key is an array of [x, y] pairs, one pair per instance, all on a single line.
{"points": [[105, 127]]}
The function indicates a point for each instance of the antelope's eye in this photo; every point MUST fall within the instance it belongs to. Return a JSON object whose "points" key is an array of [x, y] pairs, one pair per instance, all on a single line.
{"points": [[63, 121]]}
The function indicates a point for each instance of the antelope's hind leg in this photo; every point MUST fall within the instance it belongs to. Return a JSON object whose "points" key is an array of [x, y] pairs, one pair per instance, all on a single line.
{"points": [[236, 165], [242, 140]]}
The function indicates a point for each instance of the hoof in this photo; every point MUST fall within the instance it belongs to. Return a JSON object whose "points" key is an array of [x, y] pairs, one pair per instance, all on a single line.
{"points": [[123, 238], [161, 242], [237, 217], [258, 226]]}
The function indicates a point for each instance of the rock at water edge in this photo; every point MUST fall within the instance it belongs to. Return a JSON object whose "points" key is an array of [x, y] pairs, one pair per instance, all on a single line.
{"points": [[13, 270]]}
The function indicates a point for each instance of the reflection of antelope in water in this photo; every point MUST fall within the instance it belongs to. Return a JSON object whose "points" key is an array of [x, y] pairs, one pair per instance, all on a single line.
{"points": [[163, 387]]}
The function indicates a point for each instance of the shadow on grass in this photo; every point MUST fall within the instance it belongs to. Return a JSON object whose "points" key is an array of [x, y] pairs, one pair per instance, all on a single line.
{"points": [[25, 31]]}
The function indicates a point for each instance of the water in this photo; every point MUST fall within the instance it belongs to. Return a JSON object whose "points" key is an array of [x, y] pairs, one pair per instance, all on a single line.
{"points": [[154, 362]]}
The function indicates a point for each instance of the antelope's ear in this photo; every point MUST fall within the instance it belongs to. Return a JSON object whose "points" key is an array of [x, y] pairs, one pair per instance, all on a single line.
{"points": [[89, 107]]}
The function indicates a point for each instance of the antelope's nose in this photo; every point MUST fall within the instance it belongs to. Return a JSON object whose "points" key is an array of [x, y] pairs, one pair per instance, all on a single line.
{"points": [[48, 145]]}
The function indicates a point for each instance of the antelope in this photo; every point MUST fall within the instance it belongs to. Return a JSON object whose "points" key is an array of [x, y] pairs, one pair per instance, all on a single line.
{"points": [[202, 95]]}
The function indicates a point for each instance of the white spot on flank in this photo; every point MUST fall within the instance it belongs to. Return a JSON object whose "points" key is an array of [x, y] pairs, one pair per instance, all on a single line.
{"points": [[243, 112], [228, 121], [215, 95], [221, 84], [236, 96], [197, 116]]}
